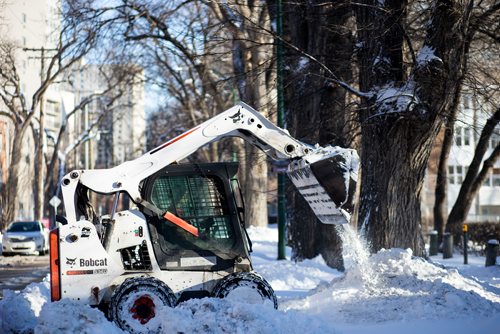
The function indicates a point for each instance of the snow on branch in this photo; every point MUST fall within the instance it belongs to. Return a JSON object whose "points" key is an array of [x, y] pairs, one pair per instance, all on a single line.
{"points": [[426, 55], [391, 99]]}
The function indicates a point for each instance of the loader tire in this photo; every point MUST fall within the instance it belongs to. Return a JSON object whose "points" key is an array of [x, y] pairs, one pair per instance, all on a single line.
{"points": [[245, 287], [135, 302]]}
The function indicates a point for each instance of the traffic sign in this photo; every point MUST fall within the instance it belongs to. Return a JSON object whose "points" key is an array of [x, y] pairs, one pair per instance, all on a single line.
{"points": [[55, 201]]}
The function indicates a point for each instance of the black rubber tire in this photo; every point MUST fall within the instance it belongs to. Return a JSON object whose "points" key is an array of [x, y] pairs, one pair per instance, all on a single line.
{"points": [[245, 279], [149, 287], [6, 254], [43, 252]]}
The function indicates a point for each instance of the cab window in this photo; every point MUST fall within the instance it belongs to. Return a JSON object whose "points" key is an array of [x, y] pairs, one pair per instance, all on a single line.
{"points": [[200, 200]]}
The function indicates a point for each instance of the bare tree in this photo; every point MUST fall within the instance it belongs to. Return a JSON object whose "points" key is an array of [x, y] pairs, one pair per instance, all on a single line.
{"points": [[406, 108], [317, 109], [117, 79], [193, 96], [249, 24], [22, 112], [480, 81], [475, 177], [76, 38], [234, 30]]}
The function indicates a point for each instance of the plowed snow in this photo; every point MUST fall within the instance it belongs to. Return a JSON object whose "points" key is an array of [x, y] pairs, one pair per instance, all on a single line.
{"points": [[389, 292]]}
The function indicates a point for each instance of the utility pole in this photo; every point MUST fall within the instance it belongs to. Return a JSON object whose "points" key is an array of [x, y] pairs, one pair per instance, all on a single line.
{"points": [[39, 164], [281, 124]]}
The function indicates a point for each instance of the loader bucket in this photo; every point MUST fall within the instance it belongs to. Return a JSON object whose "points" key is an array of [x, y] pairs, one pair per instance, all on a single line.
{"points": [[326, 178]]}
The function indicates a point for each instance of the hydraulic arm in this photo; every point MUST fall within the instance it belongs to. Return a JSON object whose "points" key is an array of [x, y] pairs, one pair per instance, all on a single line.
{"points": [[325, 176]]}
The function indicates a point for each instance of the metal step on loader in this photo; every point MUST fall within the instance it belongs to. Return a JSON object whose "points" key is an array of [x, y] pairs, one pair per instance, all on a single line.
{"points": [[186, 237]]}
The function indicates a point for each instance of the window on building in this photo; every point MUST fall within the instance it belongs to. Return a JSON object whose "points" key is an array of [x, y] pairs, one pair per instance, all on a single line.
{"points": [[463, 136], [53, 121], [467, 101], [487, 181], [458, 136], [496, 180], [24, 17], [495, 176], [494, 139], [467, 136], [456, 174], [459, 174]]}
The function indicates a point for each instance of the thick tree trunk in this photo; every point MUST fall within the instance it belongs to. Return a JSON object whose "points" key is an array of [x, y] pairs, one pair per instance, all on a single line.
{"points": [[10, 192], [316, 109], [256, 188], [397, 132], [393, 173], [251, 50]]}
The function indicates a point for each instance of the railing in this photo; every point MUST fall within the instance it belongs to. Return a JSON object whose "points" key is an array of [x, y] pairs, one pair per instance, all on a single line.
{"points": [[472, 219]]}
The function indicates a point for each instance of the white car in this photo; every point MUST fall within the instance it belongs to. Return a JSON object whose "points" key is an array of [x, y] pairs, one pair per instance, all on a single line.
{"points": [[22, 237]]}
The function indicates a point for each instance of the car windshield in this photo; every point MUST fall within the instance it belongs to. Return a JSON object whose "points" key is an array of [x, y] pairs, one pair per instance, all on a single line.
{"points": [[24, 227]]}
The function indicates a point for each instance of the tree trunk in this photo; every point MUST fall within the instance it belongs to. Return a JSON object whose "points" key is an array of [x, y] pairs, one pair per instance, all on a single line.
{"points": [[256, 188], [391, 182], [39, 166], [316, 109], [256, 172], [440, 204], [12, 186], [397, 132]]}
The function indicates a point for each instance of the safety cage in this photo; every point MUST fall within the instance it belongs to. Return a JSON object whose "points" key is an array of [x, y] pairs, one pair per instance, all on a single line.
{"points": [[202, 195]]}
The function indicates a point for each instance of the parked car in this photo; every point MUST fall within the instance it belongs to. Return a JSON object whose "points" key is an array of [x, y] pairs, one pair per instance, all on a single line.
{"points": [[24, 237]]}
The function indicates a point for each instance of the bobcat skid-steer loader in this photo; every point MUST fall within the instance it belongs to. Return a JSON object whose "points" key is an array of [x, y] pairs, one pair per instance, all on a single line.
{"points": [[186, 236]]}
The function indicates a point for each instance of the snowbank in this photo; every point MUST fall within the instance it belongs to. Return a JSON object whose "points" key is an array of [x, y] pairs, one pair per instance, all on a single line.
{"points": [[67, 316], [210, 315], [19, 311], [404, 288], [389, 292]]}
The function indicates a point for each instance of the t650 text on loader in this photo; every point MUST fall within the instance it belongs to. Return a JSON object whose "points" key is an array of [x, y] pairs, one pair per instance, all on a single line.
{"points": [[186, 238]]}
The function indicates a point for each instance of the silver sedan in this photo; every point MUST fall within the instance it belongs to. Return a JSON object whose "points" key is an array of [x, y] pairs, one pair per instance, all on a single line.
{"points": [[23, 237]]}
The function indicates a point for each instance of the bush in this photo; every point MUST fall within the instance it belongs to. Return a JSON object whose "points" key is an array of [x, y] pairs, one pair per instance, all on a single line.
{"points": [[480, 233]]}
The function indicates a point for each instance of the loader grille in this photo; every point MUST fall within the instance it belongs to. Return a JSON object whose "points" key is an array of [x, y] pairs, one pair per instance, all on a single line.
{"points": [[201, 195], [197, 199], [136, 257]]}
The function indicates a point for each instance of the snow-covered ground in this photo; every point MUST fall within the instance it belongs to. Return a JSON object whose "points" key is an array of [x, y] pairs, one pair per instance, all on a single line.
{"points": [[389, 292]]}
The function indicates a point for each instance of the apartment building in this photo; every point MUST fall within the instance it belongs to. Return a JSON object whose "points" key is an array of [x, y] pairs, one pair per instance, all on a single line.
{"points": [[116, 130], [472, 116], [32, 27]]}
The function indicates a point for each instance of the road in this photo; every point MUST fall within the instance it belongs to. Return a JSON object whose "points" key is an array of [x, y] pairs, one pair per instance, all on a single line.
{"points": [[16, 272]]}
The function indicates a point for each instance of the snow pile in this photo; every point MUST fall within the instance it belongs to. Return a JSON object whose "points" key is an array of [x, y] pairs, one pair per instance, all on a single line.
{"points": [[408, 288], [388, 292], [288, 279], [210, 315], [19, 311], [67, 316]]}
